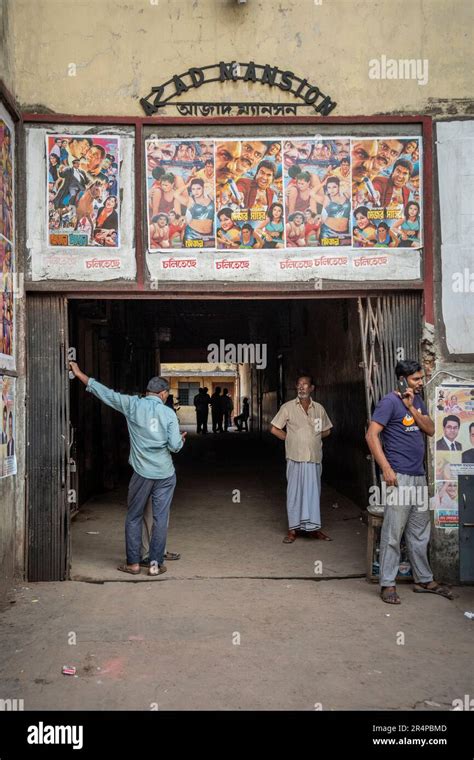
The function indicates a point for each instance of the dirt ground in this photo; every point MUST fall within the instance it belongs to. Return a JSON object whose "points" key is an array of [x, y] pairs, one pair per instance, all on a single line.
{"points": [[241, 621]]}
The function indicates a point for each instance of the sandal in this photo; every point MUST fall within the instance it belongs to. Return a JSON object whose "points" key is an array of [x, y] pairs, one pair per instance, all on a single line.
{"points": [[157, 569], [168, 555], [320, 536], [389, 594], [172, 555], [126, 569], [290, 537], [422, 588]]}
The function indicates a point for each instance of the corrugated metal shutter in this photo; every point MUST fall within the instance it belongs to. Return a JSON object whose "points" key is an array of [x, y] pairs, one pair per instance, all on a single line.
{"points": [[390, 327], [47, 438]]}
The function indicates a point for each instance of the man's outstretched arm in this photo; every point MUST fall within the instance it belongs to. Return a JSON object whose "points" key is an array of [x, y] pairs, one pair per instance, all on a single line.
{"points": [[74, 367], [117, 401]]}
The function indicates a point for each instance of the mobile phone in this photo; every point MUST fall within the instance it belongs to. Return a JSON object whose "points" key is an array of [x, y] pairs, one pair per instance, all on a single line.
{"points": [[402, 385]]}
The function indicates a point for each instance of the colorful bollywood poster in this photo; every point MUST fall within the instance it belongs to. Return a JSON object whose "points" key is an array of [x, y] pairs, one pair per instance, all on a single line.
{"points": [[249, 194], [180, 195], [454, 448], [386, 192], [6, 181], [83, 180], [7, 355], [7, 432], [317, 179]]}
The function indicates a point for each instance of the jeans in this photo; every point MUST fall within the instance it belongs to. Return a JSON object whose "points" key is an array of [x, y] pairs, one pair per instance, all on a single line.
{"points": [[161, 492]]}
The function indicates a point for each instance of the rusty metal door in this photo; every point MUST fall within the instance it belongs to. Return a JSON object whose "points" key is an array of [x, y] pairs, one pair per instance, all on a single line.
{"points": [[48, 490], [390, 329]]}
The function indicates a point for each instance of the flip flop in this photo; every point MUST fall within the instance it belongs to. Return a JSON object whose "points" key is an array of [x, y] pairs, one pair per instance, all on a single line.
{"points": [[172, 555], [320, 536], [157, 570], [126, 569], [168, 555], [389, 595], [420, 588], [289, 539]]}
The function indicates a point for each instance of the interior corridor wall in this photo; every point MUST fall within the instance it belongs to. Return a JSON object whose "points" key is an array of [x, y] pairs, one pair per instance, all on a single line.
{"points": [[322, 337]]}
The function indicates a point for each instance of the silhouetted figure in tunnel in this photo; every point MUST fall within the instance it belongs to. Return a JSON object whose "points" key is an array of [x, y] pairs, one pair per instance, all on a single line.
{"points": [[216, 410], [201, 402]]}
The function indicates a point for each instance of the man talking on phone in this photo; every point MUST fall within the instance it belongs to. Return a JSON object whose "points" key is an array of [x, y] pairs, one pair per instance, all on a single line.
{"points": [[402, 421], [154, 433]]}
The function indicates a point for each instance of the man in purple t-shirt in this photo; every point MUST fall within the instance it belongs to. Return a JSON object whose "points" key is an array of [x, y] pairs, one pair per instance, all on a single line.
{"points": [[402, 422]]}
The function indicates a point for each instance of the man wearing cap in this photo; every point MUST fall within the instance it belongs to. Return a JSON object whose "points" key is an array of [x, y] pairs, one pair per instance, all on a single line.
{"points": [[154, 434]]}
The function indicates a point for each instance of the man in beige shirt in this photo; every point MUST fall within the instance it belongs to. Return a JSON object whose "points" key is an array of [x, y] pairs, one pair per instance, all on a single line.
{"points": [[306, 423]]}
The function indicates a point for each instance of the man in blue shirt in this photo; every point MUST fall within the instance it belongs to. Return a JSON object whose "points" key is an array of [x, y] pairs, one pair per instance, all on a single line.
{"points": [[154, 434], [402, 420]]}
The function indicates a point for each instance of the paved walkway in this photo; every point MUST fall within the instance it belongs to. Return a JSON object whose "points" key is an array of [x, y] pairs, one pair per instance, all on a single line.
{"points": [[218, 536], [241, 621]]}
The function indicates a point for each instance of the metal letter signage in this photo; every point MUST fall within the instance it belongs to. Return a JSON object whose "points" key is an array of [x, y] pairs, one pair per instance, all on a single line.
{"points": [[311, 96]]}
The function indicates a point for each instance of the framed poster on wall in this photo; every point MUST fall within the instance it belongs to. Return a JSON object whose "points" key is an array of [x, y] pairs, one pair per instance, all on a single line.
{"points": [[8, 274]]}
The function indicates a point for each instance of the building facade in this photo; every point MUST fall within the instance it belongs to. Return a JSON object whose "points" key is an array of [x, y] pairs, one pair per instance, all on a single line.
{"points": [[262, 169]]}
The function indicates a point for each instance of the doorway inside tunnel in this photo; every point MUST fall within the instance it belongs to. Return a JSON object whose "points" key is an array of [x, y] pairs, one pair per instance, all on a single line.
{"points": [[229, 511]]}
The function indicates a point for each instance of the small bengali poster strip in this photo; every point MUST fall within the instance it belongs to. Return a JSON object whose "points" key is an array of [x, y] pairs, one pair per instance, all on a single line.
{"points": [[232, 264], [318, 262], [102, 263], [173, 263], [372, 261]]}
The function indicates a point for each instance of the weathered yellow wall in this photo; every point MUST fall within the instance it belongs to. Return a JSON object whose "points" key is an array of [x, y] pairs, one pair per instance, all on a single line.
{"points": [[5, 44], [121, 48], [187, 414]]}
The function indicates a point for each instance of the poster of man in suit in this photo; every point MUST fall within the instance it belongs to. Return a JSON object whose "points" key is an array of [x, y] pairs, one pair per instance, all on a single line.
{"points": [[454, 448], [82, 190], [7, 426]]}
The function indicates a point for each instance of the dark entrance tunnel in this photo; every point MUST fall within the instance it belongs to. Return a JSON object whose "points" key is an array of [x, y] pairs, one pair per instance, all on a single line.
{"points": [[123, 343]]}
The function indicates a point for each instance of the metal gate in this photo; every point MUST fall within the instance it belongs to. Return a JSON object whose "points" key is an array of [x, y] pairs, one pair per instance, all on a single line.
{"points": [[47, 439], [390, 329]]}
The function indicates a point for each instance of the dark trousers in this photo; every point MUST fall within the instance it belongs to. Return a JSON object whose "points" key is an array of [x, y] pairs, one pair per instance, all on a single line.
{"points": [[240, 422], [217, 421], [161, 492], [201, 418]]}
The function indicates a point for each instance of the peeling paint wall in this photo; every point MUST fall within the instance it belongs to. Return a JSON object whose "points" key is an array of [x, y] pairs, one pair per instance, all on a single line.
{"points": [[12, 488], [117, 50], [448, 345], [6, 62]]}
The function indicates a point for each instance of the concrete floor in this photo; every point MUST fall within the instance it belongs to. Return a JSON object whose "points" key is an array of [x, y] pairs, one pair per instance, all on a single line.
{"points": [[171, 643], [241, 621], [216, 536]]}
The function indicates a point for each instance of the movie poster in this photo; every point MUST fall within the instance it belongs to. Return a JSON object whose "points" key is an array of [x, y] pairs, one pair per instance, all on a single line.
{"points": [[317, 178], [386, 192], [83, 190], [7, 431], [7, 355], [249, 195], [289, 195], [454, 449], [6, 181], [180, 195]]}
